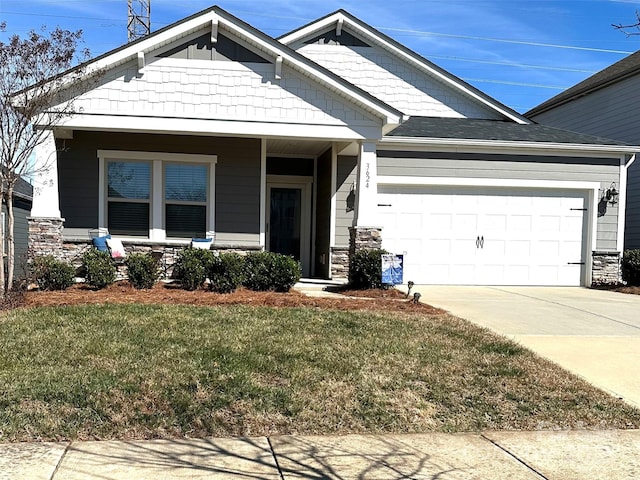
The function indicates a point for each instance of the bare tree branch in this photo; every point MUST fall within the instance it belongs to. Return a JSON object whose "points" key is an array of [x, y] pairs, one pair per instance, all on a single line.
{"points": [[634, 27], [37, 74]]}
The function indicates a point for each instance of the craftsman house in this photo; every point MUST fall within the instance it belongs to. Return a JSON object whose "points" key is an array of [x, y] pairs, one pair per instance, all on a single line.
{"points": [[331, 137]]}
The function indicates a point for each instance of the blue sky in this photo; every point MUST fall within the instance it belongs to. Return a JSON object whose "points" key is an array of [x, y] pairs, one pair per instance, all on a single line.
{"points": [[521, 52]]}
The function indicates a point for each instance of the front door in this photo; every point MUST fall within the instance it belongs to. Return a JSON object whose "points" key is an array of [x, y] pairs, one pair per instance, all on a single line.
{"points": [[288, 220], [285, 221]]}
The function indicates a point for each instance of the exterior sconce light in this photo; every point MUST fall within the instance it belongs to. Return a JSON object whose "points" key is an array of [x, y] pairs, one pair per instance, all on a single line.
{"points": [[612, 194]]}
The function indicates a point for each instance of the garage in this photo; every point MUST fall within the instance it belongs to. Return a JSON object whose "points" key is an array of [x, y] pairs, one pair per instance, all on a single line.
{"points": [[486, 236]]}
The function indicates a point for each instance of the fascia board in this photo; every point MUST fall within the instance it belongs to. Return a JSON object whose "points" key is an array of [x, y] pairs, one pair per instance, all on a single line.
{"points": [[312, 28], [209, 127], [461, 143], [417, 62]]}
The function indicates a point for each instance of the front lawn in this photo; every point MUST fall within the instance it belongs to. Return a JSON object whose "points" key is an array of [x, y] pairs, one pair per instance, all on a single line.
{"points": [[144, 371]]}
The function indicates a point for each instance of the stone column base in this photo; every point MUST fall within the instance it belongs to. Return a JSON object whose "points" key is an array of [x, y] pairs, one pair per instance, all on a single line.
{"points": [[45, 237], [339, 263], [368, 238], [606, 268]]}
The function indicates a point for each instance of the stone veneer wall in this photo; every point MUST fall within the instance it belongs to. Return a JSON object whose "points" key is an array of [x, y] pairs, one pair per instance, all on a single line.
{"points": [[166, 254], [606, 268], [339, 263], [45, 238]]}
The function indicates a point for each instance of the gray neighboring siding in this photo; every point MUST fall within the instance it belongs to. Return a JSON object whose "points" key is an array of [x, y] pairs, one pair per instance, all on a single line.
{"points": [[346, 176], [323, 215], [469, 165], [21, 210], [237, 178], [609, 112]]}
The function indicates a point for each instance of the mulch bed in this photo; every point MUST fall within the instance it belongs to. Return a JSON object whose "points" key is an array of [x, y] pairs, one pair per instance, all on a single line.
{"points": [[172, 294]]}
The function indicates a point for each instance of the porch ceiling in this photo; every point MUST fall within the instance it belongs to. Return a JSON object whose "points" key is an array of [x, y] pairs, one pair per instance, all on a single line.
{"points": [[292, 147]]}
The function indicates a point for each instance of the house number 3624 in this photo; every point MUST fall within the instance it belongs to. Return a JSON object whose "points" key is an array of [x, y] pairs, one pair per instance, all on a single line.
{"points": [[367, 177]]}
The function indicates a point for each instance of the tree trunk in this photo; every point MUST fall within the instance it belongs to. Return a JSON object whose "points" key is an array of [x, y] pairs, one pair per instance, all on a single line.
{"points": [[11, 245], [2, 277]]}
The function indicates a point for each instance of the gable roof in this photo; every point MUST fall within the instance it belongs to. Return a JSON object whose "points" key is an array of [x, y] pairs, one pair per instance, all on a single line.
{"points": [[216, 17], [617, 72], [494, 133], [341, 18]]}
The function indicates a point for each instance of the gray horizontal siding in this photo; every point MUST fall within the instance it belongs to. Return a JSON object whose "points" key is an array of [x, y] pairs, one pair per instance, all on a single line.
{"points": [[237, 177], [346, 176], [513, 167], [20, 237], [611, 112]]}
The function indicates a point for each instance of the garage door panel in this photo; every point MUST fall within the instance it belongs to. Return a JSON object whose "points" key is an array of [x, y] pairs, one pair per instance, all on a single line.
{"points": [[519, 223], [530, 236]]}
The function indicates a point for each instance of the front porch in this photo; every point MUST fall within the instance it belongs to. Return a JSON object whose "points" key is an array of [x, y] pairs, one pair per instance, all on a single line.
{"points": [[286, 195]]}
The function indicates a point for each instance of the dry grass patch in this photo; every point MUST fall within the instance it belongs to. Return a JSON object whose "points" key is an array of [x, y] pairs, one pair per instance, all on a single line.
{"points": [[149, 371]]}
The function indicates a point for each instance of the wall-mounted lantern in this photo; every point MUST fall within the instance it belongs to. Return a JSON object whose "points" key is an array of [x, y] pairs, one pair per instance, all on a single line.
{"points": [[612, 194]]}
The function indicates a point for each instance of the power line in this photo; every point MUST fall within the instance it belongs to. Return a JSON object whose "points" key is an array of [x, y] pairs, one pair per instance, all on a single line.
{"points": [[504, 40]]}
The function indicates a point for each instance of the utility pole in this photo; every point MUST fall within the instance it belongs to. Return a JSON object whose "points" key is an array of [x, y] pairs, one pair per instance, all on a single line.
{"points": [[139, 19]]}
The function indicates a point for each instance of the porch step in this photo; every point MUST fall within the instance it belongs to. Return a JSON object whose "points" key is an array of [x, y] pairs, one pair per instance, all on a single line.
{"points": [[314, 287]]}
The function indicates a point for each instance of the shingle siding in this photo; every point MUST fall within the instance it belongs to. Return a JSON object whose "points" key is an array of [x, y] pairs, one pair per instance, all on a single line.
{"points": [[395, 82]]}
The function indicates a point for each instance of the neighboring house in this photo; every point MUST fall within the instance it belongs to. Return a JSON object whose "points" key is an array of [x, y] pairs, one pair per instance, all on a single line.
{"points": [[331, 137], [606, 104], [22, 202]]}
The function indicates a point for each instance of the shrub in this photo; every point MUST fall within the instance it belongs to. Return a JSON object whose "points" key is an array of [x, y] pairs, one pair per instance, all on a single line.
{"points": [[142, 270], [52, 274], [631, 267], [98, 268], [225, 272], [365, 269], [191, 267], [270, 271]]}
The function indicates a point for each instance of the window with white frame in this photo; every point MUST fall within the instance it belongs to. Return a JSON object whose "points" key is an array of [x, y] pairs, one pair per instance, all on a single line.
{"points": [[128, 198], [185, 199], [157, 195]]}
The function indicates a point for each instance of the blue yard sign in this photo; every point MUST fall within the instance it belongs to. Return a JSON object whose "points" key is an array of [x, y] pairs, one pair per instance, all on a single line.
{"points": [[392, 269]]}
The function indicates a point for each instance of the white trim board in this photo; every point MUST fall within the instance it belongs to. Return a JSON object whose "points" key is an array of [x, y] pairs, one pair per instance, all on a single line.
{"points": [[487, 182]]}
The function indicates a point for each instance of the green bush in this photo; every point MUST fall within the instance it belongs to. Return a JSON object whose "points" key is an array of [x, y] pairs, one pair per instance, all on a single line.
{"points": [[142, 270], [225, 272], [270, 271], [98, 267], [52, 274], [631, 267], [191, 267], [365, 269]]}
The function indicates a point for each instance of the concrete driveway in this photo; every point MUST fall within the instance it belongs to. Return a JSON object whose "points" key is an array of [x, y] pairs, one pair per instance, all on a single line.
{"points": [[593, 333]]}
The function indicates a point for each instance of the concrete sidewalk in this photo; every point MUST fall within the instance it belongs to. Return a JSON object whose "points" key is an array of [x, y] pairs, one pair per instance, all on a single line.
{"points": [[593, 333], [491, 455]]}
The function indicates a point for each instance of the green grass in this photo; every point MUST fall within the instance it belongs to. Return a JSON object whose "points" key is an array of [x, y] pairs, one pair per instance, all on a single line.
{"points": [[122, 371]]}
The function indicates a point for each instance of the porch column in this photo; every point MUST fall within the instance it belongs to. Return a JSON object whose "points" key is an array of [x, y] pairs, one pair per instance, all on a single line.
{"points": [[46, 203], [365, 234], [366, 186], [45, 223]]}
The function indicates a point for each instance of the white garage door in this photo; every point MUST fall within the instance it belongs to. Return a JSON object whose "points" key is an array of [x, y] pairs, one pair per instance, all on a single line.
{"points": [[485, 236]]}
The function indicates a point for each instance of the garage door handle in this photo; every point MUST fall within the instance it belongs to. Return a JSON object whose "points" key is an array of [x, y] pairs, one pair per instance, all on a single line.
{"points": [[478, 241], [482, 242]]}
